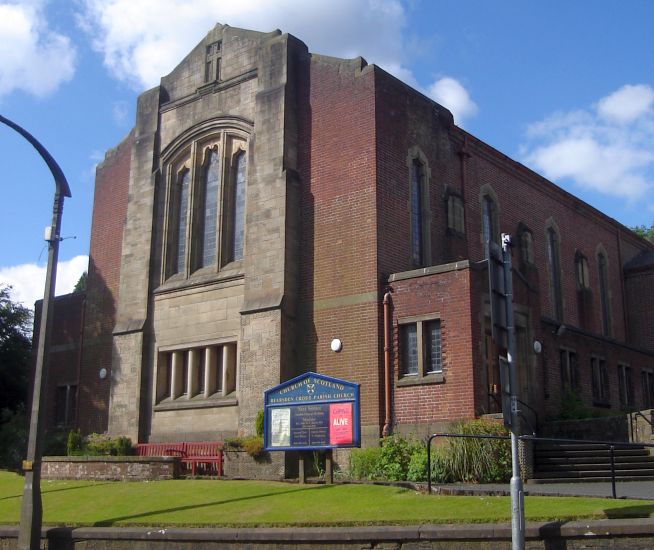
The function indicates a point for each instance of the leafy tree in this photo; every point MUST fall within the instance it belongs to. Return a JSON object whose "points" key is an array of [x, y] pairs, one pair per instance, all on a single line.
{"points": [[15, 350], [644, 231], [80, 285]]}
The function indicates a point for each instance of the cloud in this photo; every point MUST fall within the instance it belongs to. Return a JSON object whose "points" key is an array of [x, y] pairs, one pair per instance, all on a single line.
{"points": [[28, 280], [607, 148], [627, 104], [35, 59], [144, 40], [450, 93]]}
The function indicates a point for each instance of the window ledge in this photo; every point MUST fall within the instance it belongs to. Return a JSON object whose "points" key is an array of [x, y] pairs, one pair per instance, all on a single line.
{"points": [[232, 272], [182, 403], [433, 378]]}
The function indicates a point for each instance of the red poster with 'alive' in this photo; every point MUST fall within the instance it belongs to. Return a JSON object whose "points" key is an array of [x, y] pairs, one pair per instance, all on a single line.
{"points": [[340, 423]]}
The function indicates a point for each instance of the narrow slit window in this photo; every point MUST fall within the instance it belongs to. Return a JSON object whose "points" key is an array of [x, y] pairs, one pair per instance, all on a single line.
{"points": [[416, 213]]}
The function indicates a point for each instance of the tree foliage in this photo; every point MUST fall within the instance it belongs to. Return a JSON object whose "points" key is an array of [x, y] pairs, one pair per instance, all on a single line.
{"points": [[80, 285], [644, 231], [15, 349]]}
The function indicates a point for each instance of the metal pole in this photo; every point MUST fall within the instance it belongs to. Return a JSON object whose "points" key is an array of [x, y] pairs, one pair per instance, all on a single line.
{"points": [[613, 492], [517, 492], [29, 535]]}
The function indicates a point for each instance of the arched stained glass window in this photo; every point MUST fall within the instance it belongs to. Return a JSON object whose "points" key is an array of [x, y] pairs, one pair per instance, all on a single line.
{"points": [[182, 219], [239, 205], [211, 187]]}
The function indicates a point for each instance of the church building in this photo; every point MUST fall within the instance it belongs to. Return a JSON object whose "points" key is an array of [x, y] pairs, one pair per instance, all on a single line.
{"points": [[270, 201]]}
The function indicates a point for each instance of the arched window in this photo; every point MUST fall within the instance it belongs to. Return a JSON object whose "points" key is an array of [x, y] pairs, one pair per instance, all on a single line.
{"points": [[489, 222], [526, 243], [554, 258], [205, 223], [237, 214], [181, 226], [210, 189], [581, 271], [455, 214], [417, 175], [603, 272]]}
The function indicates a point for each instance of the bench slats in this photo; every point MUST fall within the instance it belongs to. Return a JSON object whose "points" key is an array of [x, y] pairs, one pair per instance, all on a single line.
{"points": [[192, 453]]}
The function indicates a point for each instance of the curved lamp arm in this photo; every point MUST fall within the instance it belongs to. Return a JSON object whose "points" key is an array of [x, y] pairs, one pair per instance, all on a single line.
{"points": [[59, 177]]}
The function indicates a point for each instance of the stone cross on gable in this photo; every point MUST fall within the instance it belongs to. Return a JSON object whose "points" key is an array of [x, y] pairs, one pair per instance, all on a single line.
{"points": [[212, 64]]}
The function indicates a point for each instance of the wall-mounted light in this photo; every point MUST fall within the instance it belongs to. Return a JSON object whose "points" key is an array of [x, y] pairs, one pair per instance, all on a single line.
{"points": [[102, 373], [336, 345], [538, 347]]}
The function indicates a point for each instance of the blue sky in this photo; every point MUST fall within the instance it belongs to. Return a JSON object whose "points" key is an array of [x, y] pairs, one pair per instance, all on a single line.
{"points": [[565, 87]]}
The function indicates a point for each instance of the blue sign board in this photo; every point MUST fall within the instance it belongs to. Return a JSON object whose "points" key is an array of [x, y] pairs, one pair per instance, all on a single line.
{"points": [[312, 411]]}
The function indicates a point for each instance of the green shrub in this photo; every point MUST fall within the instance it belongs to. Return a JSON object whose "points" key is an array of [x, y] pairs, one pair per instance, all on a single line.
{"points": [[258, 424], [395, 457], [54, 444], [105, 445], [233, 444], [417, 470], [478, 460], [364, 463], [13, 438], [253, 446], [74, 443], [573, 408]]}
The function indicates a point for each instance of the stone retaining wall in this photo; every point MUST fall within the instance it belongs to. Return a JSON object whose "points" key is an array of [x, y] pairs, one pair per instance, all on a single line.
{"points": [[240, 465], [626, 534], [110, 468]]}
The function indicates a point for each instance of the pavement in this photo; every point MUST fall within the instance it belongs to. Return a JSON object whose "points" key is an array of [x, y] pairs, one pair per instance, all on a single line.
{"points": [[624, 489]]}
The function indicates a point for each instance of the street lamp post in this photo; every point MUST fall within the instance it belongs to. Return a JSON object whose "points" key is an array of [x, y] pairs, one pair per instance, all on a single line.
{"points": [[29, 536]]}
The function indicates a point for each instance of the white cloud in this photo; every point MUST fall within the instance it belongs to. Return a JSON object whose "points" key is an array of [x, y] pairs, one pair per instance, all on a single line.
{"points": [[450, 93], [607, 148], [28, 280], [142, 40], [627, 104], [35, 59]]}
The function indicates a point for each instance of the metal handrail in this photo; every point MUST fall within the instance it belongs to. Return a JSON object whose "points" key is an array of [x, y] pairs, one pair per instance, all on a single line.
{"points": [[611, 445]]}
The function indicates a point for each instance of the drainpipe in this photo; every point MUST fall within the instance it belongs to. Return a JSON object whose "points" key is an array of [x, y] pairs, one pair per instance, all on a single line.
{"points": [[387, 366]]}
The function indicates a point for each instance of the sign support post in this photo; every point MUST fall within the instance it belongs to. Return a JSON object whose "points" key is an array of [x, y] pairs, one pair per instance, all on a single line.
{"points": [[517, 491]]}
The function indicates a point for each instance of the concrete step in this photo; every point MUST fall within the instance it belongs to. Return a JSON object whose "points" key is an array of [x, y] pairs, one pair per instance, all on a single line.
{"points": [[607, 479], [546, 460]]}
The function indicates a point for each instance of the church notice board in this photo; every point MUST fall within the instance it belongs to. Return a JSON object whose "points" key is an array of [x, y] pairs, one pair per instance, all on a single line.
{"points": [[311, 411]]}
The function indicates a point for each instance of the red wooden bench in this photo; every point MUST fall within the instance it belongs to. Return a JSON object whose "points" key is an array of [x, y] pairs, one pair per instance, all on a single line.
{"points": [[207, 455], [161, 449]]}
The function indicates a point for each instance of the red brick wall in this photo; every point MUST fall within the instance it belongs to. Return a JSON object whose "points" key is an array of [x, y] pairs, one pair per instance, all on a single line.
{"points": [[448, 296], [339, 284], [587, 346], [639, 289], [109, 210], [65, 340], [525, 197]]}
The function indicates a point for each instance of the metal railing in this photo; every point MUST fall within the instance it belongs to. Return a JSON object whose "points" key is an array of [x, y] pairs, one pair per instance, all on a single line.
{"points": [[610, 445]]}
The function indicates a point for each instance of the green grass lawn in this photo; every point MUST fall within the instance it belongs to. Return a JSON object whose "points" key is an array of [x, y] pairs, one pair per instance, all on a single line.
{"points": [[257, 503]]}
